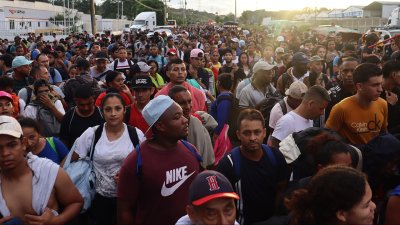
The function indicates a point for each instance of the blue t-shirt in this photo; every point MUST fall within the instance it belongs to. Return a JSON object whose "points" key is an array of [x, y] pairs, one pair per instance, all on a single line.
{"points": [[48, 151]]}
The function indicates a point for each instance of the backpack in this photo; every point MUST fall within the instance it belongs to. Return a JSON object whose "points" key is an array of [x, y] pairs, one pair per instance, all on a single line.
{"points": [[116, 64], [139, 160], [131, 131], [234, 158], [268, 103], [50, 124], [233, 115]]}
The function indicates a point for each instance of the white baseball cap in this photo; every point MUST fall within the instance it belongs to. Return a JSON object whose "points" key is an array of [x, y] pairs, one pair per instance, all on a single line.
{"points": [[10, 126]]}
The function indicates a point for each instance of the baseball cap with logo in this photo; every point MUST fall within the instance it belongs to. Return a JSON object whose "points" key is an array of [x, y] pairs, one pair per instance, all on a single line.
{"points": [[262, 65], [156, 108], [300, 57], [142, 81], [20, 61], [10, 126], [297, 90], [209, 185], [143, 67], [196, 53]]}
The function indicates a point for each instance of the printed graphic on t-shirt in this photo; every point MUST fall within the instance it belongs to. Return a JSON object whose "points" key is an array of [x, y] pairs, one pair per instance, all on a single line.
{"points": [[365, 127], [177, 176]]}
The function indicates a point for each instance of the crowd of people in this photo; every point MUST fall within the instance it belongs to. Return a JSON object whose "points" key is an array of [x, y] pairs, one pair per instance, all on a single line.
{"points": [[209, 125]]}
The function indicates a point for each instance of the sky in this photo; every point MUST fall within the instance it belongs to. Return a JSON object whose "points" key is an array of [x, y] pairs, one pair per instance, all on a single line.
{"points": [[226, 6]]}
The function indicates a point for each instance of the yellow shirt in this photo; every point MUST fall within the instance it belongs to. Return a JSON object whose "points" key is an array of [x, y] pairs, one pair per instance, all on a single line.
{"points": [[358, 124]]}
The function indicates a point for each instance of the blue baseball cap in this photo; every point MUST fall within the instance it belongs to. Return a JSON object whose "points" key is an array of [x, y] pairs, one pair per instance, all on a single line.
{"points": [[155, 109], [20, 61]]}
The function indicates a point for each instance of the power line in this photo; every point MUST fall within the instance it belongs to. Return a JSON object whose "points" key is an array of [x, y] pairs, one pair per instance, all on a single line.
{"points": [[160, 10]]}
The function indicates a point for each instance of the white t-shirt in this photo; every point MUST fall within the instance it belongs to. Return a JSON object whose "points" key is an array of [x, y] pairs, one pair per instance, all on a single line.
{"points": [[276, 113], [108, 157], [242, 84], [289, 123], [31, 110]]}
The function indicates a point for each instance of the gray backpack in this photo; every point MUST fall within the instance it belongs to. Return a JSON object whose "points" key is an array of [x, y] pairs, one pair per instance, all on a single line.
{"points": [[50, 124]]}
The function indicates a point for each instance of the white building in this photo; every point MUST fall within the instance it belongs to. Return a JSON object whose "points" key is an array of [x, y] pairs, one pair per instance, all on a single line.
{"points": [[336, 13], [19, 17], [380, 9], [353, 12]]}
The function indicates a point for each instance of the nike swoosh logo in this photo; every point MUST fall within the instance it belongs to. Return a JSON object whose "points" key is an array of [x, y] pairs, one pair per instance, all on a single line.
{"points": [[3, 123], [169, 191]]}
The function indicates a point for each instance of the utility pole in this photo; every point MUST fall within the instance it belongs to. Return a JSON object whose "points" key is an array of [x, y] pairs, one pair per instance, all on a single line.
{"points": [[64, 26], [93, 16], [184, 13], [235, 12], [117, 9], [122, 9], [165, 12]]}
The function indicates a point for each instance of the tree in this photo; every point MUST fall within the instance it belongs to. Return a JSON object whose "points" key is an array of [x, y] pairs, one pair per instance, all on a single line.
{"points": [[109, 8], [80, 5]]}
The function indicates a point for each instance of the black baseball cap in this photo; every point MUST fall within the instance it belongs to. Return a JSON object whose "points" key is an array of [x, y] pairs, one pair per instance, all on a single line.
{"points": [[142, 81], [209, 185]]}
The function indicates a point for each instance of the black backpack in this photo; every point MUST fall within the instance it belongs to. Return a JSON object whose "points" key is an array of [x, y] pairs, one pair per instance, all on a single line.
{"points": [[268, 103], [131, 131], [233, 115]]}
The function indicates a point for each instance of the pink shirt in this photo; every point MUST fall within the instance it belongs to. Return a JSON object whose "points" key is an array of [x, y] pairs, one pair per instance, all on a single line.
{"points": [[198, 97]]}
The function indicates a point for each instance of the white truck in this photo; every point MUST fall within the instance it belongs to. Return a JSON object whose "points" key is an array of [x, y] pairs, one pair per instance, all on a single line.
{"points": [[394, 18], [144, 21]]}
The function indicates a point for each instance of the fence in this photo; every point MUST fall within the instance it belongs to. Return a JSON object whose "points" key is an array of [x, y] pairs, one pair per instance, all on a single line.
{"points": [[360, 24]]}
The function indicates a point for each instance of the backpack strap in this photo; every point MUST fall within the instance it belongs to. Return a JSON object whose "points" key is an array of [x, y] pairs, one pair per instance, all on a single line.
{"points": [[97, 135], [192, 150], [283, 106], [133, 135], [50, 140], [127, 114], [162, 62], [269, 154], [52, 73], [115, 64], [139, 161], [235, 161], [72, 118], [101, 75], [29, 91]]}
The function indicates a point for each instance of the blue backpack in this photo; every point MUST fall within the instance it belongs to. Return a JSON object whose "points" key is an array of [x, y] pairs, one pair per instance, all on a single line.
{"points": [[139, 160], [234, 157]]}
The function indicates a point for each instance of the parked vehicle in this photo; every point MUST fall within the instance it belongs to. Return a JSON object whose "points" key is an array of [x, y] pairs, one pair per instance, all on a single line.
{"points": [[144, 21]]}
